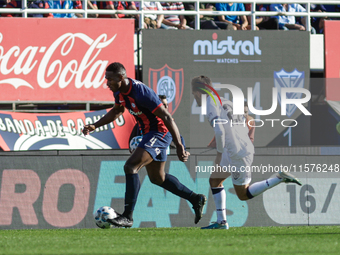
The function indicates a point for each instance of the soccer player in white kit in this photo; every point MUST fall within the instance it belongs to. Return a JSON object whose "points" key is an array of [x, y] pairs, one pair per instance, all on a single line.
{"points": [[234, 150]]}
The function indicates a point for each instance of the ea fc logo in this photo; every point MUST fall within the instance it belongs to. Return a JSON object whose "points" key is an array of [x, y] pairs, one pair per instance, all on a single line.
{"points": [[166, 86]]}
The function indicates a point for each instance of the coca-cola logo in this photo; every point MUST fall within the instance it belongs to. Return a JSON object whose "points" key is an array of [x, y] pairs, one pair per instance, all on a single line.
{"points": [[52, 68]]}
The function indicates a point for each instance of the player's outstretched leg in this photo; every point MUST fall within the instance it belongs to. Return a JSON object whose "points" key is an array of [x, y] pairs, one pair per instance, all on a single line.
{"points": [[172, 184], [257, 188], [289, 178], [198, 206], [169, 182]]}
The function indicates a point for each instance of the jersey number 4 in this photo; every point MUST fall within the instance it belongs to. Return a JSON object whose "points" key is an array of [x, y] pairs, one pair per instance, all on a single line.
{"points": [[152, 141]]}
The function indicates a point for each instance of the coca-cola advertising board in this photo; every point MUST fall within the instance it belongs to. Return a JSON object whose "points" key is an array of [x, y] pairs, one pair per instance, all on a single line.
{"points": [[332, 60], [62, 59]]}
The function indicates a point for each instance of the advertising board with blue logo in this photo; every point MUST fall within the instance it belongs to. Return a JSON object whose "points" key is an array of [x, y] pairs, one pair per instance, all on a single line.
{"points": [[270, 68]]}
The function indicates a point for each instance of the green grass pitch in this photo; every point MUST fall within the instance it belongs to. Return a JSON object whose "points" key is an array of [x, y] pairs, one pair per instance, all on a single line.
{"points": [[242, 240]]}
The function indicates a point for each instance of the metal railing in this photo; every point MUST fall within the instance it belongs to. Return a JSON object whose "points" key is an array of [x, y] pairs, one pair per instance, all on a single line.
{"points": [[253, 13], [53, 106]]}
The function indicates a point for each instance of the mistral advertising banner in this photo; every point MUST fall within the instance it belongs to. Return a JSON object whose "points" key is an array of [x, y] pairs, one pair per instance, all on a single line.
{"points": [[269, 70], [59, 60], [62, 131]]}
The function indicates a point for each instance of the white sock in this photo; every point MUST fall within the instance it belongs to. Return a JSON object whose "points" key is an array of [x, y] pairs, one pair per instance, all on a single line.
{"points": [[257, 188], [220, 203]]}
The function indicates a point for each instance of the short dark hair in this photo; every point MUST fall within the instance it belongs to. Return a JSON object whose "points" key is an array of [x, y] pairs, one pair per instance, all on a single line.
{"points": [[116, 67], [161, 97], [198, 83]]}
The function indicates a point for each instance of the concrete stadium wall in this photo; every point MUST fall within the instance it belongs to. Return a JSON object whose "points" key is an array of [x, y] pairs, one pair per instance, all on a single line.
{"points": [[61, 189]]}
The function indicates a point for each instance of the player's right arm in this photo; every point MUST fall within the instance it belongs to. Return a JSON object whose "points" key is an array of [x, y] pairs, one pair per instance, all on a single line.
{"points": [[219, 136], [113, 114], [251, 129], [169, 122], [214, 114]]}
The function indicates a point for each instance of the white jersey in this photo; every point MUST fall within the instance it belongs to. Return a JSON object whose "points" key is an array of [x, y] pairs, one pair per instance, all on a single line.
{"points": [[231, 131], [151, 6]]}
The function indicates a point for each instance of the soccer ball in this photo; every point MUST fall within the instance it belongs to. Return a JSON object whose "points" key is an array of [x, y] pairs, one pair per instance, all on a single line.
{"points": [[102, 214], [134, 143]]}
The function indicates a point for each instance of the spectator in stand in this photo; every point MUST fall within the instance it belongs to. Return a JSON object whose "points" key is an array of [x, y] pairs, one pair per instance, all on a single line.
{"points": [[152, 21], [206, 22], [12, 4], [39, 5], [62, 5], [174, 21], [265, 22], [318, 23], [3, 3], [116, 5], [332, 8], [289, 22], [124, 5], [336, 9], [92, 5], [108, 5], [234, 22]]}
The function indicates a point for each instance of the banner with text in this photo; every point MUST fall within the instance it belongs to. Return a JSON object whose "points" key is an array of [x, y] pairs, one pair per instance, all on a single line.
{"points": [[258, 63], [52, 60], [63, 191], [62, 131]]}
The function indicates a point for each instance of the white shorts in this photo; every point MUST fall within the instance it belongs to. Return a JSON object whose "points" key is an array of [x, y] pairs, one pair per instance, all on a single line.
{"points": [[239, 174]]}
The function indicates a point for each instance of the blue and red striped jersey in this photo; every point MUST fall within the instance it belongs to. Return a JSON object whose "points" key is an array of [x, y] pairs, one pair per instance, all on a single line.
{"points": [[142, 102]]}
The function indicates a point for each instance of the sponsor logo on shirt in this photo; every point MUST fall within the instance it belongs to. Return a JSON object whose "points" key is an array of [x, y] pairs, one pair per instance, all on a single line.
{"points": [[135, 113]]}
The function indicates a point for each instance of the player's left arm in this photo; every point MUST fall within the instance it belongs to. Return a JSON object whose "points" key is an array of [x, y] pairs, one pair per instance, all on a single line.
{"points": [[113, 114], [164, 115]]}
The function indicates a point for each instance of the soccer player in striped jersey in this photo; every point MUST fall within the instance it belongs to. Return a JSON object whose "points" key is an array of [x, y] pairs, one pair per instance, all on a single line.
{"points": [[158, 128], [136, 131]]}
